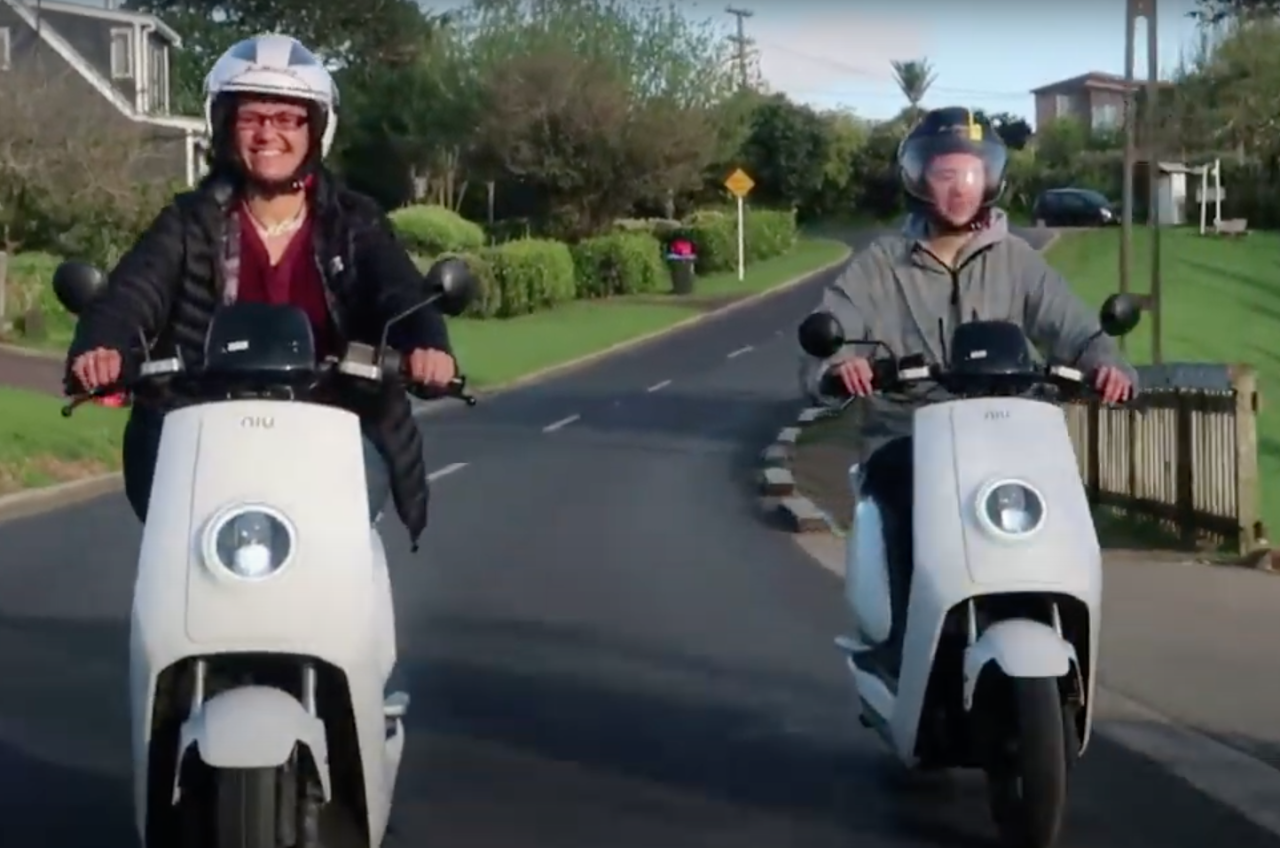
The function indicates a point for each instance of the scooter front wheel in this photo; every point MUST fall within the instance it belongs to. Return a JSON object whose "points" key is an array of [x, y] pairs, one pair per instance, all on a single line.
{"points": [[245, 808], [1027, 779]]}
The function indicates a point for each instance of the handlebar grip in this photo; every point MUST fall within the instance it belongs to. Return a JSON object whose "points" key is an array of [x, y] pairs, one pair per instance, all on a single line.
{"points": [[884, 372], [830, 385]]}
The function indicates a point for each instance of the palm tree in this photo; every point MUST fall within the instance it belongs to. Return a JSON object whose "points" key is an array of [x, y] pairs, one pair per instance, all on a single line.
{"points": [[914, 77]]}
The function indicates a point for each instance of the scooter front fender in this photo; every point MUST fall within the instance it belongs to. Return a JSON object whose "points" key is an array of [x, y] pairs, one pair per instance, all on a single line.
{"points": [[1020, 647], [254, 727]]}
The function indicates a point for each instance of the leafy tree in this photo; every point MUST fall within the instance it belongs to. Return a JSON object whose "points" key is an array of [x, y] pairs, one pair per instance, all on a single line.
{"points": [[786, 152], [915, 78]]}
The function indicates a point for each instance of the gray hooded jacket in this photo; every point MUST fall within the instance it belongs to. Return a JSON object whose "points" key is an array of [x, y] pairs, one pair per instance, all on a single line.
{"points": [[896, 292]]}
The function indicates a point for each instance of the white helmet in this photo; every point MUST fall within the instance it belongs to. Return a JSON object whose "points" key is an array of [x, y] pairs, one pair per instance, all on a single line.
{"points": [[276, 65]]}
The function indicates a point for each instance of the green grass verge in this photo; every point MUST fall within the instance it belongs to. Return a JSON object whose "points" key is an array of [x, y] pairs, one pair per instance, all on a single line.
{"points": [[493, 352], [1221, 304], [38, 447]]}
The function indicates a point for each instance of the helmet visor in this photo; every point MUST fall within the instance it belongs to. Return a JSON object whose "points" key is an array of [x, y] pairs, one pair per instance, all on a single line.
{"points": [[934, 165]]}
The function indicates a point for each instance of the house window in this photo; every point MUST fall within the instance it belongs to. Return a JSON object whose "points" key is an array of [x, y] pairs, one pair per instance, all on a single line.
{"points": [[1062, 105], [157, 79], [1106, 116], [122, 53], [5, 58]]}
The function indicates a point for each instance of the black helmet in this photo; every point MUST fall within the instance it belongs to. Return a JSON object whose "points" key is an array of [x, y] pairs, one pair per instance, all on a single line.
{"points": [[954, 129]]}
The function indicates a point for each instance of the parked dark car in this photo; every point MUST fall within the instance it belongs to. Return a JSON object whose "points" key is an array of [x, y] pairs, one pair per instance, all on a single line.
{"points": [[1074, 207]]}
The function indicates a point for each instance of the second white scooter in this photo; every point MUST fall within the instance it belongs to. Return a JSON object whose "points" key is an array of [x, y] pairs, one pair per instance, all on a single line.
{"points": [[977, 590]]}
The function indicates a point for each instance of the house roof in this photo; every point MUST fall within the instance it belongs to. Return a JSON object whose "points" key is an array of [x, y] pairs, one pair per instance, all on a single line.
{"points": [[50, 36], [101, 13], [1095, 80]]}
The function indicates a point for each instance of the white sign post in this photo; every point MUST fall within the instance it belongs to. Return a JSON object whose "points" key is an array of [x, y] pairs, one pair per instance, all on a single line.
{"points": [[740, 185]]}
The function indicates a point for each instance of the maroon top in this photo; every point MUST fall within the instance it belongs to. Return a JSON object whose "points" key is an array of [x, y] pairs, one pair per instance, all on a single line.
{"points": [[294, 280]]}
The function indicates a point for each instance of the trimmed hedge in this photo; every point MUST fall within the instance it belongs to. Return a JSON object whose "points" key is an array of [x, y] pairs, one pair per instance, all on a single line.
{"points": [[432, 230], [620, 263], [531, 274], [768, 233]]}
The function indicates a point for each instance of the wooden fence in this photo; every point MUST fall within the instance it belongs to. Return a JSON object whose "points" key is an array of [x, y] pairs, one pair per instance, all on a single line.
{"points": [[1185, 454]]}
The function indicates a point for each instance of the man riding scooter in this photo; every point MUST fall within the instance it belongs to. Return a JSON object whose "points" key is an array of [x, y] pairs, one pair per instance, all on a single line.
{"points": [[955, 260]]}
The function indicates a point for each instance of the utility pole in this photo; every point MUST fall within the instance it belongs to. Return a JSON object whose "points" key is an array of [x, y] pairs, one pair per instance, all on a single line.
{"points": [[742, 42], [1145, 9]]}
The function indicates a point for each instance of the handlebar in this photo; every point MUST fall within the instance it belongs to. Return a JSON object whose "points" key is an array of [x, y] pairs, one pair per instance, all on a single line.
{"points": [[889, 375], [359, 364]]}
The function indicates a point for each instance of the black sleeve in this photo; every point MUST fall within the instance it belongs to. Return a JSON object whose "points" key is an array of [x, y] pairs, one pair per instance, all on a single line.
{"points": [[385, 267], [139, 290]]}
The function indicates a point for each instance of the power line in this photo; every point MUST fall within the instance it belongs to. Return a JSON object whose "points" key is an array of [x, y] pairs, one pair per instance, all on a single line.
{"points": [[742, 42]]}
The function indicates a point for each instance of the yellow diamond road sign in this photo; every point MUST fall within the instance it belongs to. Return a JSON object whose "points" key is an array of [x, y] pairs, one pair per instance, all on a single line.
{"points": [[739, 184]]}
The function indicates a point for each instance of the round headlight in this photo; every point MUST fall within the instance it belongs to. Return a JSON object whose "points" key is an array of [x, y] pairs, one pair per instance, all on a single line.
{"points": [[249, 542], [1011, 508]]}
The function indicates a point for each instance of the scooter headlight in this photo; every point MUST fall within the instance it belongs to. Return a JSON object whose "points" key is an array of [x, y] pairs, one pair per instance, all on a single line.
{"points": [[249, 542], [1011, 509]]}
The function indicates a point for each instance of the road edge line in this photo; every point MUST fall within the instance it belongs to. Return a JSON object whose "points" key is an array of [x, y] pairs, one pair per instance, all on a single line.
{"points": [[25, 504]]}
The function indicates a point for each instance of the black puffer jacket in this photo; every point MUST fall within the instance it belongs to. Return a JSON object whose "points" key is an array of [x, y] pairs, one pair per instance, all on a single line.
{"points": [[169, 284]]}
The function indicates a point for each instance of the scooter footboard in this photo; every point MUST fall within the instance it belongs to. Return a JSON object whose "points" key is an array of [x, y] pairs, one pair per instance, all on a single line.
{"points": [[1020, 647], [254, 727]]}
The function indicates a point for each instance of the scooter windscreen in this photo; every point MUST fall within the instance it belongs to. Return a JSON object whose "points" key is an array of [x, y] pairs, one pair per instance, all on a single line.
{"points": [[261, 340], [990, 349]]}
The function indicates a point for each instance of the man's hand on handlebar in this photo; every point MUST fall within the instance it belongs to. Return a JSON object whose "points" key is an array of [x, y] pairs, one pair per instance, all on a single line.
{"points": [[432, 368], [1112, 384], [98, 368], [856, 376]]}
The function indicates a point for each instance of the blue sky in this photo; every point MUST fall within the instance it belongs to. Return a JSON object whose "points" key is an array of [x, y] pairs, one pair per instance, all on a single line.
{"points": [[988, 54]]}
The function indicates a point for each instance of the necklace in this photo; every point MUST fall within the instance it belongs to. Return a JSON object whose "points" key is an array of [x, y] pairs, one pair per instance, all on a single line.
{"points": [[279, 228]]}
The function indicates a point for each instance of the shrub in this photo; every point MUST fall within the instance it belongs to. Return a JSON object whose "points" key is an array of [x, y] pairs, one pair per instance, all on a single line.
{"points": [[660, 228], [619, 263], [433, 230], [770, 233], [488, 296], [29, 285], [531, 274]]}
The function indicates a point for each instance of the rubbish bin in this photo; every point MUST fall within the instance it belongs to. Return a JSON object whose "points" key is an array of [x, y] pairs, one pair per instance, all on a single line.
{"points": [[681, 260]]}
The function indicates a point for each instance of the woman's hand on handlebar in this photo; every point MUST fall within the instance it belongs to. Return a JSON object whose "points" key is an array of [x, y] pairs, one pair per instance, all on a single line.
{"points": [[856, 376], [98, 368]]}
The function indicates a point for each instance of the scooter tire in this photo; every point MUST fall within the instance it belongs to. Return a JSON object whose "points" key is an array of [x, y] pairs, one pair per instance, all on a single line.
{"points": [[1028, 785], [245, 808]]}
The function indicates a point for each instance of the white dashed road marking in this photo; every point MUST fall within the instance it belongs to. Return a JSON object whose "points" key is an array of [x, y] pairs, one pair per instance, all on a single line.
{"points": [[446, 471], [656, 386], [563, 422], [740, 351]]}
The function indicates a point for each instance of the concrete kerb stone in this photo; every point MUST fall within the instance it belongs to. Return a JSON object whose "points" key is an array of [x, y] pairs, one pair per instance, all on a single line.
{"points": [[543, 374], [798, 513]]}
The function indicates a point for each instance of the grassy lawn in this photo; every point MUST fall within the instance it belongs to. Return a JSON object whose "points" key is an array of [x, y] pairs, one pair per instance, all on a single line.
{"points": [[38, 447], [1221, 304], [493, 352]]}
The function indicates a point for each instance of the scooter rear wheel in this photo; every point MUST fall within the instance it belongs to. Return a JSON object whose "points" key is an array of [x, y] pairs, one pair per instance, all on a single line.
{"points": [[1027, 780], [245, 808]]}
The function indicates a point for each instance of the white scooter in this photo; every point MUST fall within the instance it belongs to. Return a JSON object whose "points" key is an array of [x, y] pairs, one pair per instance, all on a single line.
{"points": [[262, 634], [976, 613]]}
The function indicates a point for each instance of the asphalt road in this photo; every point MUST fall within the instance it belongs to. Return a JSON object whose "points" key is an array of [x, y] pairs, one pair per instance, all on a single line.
{"points": [[605, 643]]}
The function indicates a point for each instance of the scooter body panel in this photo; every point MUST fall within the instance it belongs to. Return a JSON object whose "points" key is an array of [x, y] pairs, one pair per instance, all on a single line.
{"points": [[961, 448], [330, 601]]}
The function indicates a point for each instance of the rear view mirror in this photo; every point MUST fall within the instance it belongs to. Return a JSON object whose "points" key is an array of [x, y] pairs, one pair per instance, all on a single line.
{"points": [[1120, 313], [821, 335], [452, 283], [77, 284]]}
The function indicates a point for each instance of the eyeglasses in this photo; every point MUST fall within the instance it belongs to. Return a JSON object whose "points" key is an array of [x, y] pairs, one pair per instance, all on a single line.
{"points": [[285, 121]]}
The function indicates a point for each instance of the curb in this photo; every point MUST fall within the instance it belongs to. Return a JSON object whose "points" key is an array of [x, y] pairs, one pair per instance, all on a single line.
{"points": [[776, 483], [33, 502], [432, 407]]}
